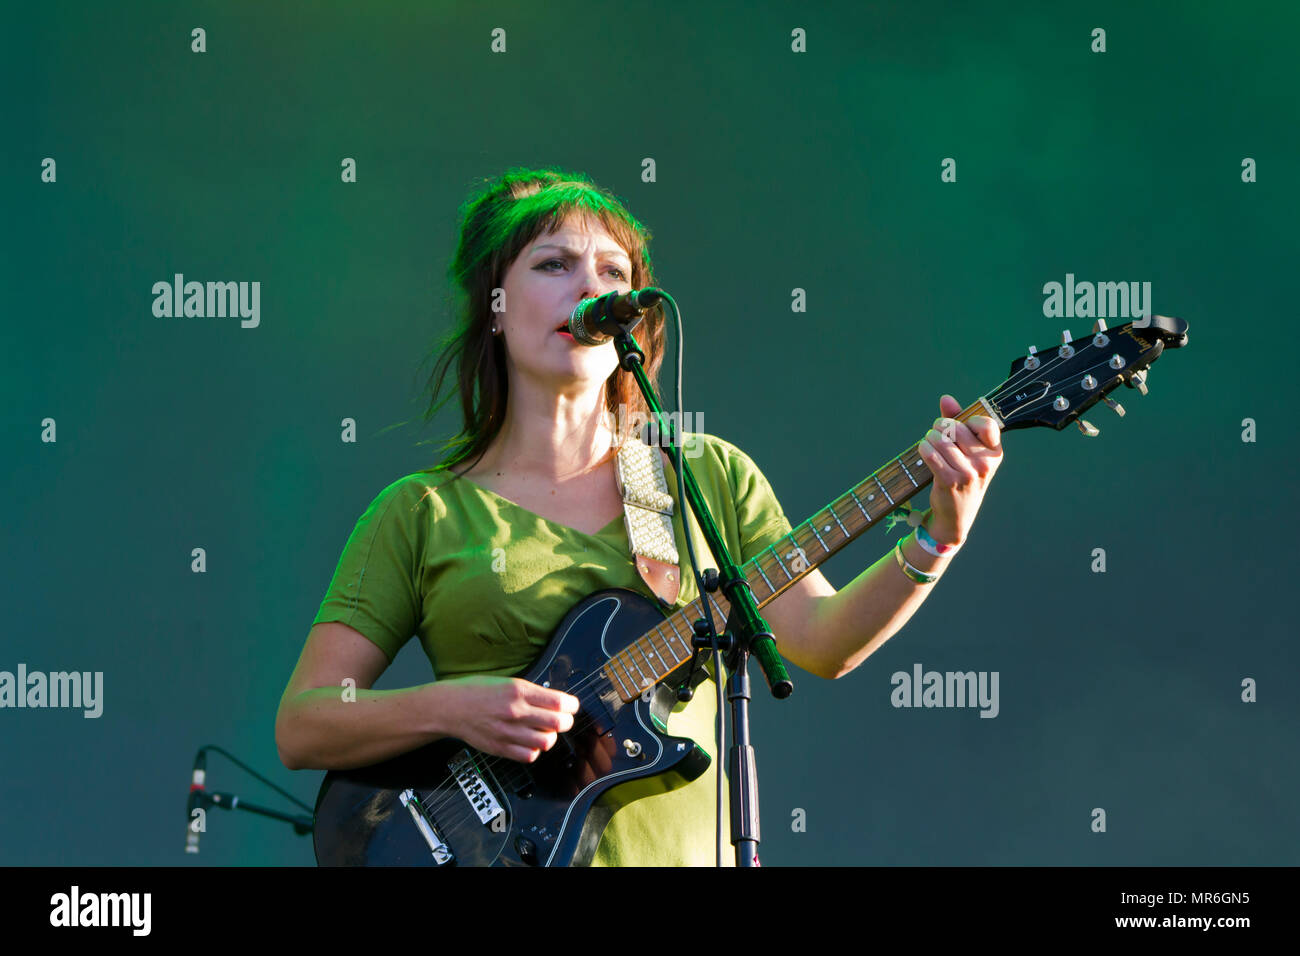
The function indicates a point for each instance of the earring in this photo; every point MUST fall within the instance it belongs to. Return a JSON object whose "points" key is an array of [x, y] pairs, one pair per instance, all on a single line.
{"points": [[495, 330]]}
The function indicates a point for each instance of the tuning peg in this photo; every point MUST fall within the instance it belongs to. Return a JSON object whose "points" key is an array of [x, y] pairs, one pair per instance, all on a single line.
{"points": [[1139, 381], [1115, 406], [1099, 325], [1032, 362], [1089, 429], [1100, 339], [1066, 349]]}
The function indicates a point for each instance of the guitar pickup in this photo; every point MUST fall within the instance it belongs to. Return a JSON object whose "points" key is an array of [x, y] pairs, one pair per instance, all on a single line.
{"points": [[476, 791], [442, 854]]}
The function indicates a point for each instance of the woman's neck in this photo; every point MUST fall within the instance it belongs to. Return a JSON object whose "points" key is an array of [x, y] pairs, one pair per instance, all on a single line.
{"points": [[552, 439]]}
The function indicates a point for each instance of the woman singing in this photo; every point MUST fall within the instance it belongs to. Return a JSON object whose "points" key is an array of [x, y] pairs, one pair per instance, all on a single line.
{"points": [[483, 555]]}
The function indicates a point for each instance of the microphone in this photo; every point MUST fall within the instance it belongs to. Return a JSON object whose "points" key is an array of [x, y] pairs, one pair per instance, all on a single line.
{"points": [[196, 798], [596, 321]]}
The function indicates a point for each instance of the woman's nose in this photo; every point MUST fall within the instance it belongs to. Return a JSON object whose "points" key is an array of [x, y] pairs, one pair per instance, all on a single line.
{"points": [[589, 284]]}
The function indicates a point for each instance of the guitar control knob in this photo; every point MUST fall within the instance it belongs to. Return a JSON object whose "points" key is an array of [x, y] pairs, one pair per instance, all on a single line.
{"points": [[1089, 429], [1115, 406], [527, 850]]}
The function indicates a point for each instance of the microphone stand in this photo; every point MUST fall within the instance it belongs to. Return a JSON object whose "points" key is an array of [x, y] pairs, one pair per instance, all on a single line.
{"points": [[201, 799], [745, 632], [232, 801]]}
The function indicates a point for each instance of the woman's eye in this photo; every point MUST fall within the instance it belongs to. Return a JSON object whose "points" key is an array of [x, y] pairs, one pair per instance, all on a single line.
{"points": [[621, 274]]}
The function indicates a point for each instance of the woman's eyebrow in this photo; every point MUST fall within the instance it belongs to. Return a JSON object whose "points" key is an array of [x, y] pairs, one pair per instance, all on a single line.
{"points": [[571, 251]]}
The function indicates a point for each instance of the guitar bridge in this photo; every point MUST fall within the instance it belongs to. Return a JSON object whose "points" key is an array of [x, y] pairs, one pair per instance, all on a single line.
{"points": [[476, 791], [442, 854]]}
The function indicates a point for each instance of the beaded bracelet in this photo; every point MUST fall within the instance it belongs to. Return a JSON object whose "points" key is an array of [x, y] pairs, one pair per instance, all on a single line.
{"points": [[915, 574]]}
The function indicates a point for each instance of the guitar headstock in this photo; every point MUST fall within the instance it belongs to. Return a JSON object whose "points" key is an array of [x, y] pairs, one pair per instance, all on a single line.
{"points": [[1054, 387]]}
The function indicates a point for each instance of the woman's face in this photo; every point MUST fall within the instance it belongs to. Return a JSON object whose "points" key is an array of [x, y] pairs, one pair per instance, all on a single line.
{"points": [[542, 286]]}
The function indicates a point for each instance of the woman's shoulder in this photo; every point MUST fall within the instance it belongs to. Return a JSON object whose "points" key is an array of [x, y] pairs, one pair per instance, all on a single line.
{"points": [[420, 492], [716, 451]]}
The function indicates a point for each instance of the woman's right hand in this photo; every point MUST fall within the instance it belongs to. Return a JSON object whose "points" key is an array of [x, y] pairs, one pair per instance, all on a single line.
{"points": [[504, 716]]}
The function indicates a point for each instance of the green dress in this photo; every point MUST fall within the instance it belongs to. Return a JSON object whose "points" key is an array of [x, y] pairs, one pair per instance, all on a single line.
{"points": [[483, 583]]}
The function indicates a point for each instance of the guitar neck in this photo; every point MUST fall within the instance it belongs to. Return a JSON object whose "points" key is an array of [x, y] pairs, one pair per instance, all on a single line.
{"points": [[667, 646]]}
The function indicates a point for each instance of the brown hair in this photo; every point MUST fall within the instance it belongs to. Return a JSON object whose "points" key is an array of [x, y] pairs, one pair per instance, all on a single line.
{"points": [[498, 222]]}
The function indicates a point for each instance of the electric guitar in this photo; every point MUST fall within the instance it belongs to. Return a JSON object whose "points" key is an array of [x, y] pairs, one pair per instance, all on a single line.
{"points": [[448, 804]]}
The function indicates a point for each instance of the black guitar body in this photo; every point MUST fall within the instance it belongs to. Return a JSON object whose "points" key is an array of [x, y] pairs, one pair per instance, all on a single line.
{"points": [[449, 804]]}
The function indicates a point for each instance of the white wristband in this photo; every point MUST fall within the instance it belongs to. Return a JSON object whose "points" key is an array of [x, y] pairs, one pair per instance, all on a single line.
{"points": [[930, 546]]}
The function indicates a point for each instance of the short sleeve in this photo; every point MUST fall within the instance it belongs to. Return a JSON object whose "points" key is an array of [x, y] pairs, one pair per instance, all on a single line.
{"points": [[375, 588], [760, 520]]}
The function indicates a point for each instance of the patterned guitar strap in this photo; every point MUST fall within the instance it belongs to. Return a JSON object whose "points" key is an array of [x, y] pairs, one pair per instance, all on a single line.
{"points": [[648, 508], [648, 511]]}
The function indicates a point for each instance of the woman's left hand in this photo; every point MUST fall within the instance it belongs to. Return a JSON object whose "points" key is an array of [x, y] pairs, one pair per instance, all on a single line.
{"points": [[962, 457]]}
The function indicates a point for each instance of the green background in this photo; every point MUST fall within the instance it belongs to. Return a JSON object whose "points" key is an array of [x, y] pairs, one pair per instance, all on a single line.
{"points": [[775, 170]]}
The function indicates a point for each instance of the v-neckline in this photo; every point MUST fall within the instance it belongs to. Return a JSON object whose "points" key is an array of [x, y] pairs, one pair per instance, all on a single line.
{"points": [[528, 511]]}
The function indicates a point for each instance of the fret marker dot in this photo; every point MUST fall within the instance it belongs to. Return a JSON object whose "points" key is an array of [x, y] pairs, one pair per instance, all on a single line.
{"points": [[827, 528]]}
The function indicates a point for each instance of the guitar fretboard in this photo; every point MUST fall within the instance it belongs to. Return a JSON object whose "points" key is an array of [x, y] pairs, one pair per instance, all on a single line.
{"points": [[667, 646]]}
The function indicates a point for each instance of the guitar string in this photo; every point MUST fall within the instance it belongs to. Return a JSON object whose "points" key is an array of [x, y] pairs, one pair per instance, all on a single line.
{"points": [[1011, 384], [1045, 398], [451, 790]]}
